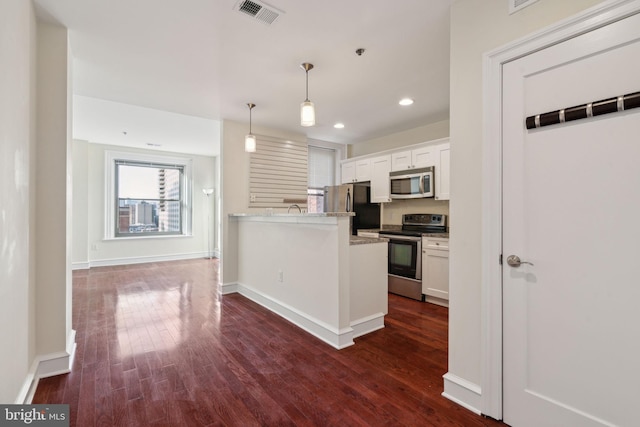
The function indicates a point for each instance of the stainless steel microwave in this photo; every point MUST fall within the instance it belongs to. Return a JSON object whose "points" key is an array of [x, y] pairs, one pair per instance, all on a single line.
{"points": [[412, 183]]}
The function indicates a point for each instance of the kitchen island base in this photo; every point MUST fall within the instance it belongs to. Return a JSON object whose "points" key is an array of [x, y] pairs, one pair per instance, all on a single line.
{"points": [[304, 268]]}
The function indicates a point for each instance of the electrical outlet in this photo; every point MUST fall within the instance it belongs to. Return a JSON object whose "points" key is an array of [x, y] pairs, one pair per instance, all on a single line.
{"points": [[94, 247], [252, 197], [280, 276]]}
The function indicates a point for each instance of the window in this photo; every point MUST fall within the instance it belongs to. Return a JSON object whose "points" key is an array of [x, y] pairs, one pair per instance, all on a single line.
{"points": [[321, 173], [149, 196]]}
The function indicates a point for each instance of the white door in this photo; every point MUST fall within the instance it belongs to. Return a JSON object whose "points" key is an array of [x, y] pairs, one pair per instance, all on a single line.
{"points": [[571, 207]]}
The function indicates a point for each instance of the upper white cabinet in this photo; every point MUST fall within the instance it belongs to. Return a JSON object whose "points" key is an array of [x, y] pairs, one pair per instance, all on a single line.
{"points": [[401, 160], [347, 172], [355, 171], [442, 171], [410, 159], [363, 170], [376, 169], [380, 186]]}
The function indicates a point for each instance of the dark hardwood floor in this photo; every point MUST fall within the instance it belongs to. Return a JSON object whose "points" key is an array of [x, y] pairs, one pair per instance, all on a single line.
{"points": [[158, 345]]}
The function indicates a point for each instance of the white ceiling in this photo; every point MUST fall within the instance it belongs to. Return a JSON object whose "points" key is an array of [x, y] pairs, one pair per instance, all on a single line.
{"points": [[180, 67]]}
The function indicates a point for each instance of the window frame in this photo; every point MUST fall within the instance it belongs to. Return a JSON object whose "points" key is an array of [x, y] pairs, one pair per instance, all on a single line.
{"points": [[111, 202]]}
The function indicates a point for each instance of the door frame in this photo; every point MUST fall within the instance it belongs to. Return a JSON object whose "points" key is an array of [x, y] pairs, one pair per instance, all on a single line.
{"points": [[491, 249]]}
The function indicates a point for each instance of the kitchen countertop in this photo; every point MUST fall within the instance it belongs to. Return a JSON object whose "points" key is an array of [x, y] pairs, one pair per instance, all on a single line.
{"points": [[361, 240], [296, 214], [393, 227]]}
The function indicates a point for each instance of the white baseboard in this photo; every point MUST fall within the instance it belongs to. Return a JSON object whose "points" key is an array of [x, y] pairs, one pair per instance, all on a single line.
{"points": [[47, 365], [229, 288], [142, 260], [367, 324], [336, 338], [463, 392], [80, 265]]}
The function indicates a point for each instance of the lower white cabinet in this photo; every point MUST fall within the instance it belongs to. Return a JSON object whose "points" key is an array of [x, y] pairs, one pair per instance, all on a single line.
{"points": [[435, 270]]}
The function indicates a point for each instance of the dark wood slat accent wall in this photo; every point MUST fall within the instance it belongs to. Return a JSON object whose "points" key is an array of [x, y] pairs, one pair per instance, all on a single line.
{"points": [[158, 345], [592, 109]]}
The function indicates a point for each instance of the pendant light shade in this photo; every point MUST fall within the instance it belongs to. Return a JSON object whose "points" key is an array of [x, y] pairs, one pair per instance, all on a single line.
{"points": [[307, 109], [307, 114], [250, 139]]}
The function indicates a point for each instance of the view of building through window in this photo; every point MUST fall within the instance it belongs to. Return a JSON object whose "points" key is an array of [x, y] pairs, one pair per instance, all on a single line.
{"points": [[149, 198], [322, 164], [315, 200]]}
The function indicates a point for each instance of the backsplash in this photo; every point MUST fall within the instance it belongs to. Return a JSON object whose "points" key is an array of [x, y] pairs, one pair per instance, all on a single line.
{"points": [[391, 213]]}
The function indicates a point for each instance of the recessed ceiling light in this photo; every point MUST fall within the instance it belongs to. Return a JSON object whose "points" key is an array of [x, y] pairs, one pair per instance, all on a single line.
{"points": [[406, 101], [339, 126]]}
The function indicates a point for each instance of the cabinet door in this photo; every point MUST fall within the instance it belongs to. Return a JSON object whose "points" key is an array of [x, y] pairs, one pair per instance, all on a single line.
{"points": [[423, 157], [401, 160], [348, 172], [363, 170], [435, 268], [442, 172], [380, 191], [435, 275]]}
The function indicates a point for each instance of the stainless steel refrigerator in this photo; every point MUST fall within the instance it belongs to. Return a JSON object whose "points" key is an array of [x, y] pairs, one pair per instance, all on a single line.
{"points": [[353, 198]]}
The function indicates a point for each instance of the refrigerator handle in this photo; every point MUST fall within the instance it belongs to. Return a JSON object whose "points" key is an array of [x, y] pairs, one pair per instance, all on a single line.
{"points": [[347, 206]]}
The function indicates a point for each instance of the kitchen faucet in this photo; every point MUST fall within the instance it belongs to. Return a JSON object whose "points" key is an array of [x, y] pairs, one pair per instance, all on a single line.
{"points": [[294, 206]]}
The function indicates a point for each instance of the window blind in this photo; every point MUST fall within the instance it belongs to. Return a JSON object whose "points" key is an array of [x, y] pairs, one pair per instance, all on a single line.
{"points": [[278, 173], [321, 167]]}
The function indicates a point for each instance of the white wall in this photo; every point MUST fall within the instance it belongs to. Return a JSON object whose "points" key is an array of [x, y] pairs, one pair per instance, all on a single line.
{"points": [[89, 213], [53, 194], [80, 173], [417, 135], [17, 189], [35, 291], [477, 27], [234, 183], [391, 213]]}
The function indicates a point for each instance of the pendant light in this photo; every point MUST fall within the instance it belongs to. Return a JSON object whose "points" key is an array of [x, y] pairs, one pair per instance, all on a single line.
{"points": [[250, 139], [307, 110]]}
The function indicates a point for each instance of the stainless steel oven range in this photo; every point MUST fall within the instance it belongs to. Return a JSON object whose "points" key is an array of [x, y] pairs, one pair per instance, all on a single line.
{"points": [[405, 252]]}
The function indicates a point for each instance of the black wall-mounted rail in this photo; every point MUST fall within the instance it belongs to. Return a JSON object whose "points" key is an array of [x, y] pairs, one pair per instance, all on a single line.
{"points": [[592, 109]]}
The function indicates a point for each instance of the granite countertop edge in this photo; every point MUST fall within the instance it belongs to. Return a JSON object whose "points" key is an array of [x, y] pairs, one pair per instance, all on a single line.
{"points": [[362, 240], [289, 215]]}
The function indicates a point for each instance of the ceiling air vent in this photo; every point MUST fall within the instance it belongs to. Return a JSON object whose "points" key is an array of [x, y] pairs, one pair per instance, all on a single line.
{"points": [[258, 10], [516, 5]]}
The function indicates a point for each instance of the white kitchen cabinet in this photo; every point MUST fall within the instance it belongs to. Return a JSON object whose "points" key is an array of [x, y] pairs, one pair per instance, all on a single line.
{"points": [[380, 185], [412, 159], [355, 171], [442, 171], [435, 270], [423, 157], [348, 172], [363, 170], [401, 160]]}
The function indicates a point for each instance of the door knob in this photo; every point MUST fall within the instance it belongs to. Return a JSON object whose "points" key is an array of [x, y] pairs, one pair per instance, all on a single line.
{"points": [[514, 261]]}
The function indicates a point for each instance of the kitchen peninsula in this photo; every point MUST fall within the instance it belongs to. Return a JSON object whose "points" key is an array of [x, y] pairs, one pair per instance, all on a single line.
{"points": [[310, 270]]}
